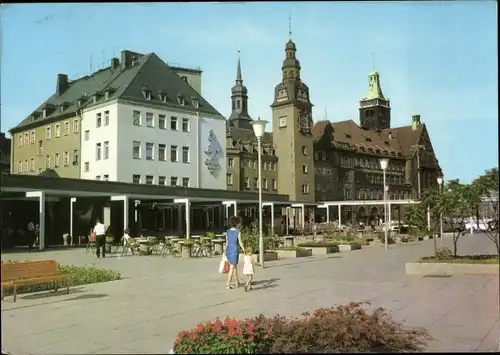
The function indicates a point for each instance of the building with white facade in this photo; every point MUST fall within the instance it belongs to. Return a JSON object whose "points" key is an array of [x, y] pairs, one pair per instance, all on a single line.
{"points": [[149, 126]]}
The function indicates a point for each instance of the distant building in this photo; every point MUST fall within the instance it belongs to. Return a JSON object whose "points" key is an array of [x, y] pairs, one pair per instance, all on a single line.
{"points": [[328, 161], [4, 153], [138, 120]]}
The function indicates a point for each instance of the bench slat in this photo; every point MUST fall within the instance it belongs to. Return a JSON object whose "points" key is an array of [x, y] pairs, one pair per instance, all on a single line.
{"points": [[29, 269]]}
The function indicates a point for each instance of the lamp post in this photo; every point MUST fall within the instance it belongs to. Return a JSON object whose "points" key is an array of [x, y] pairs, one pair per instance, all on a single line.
{"points": [[383, 165], [440, 183], [259, 128]]}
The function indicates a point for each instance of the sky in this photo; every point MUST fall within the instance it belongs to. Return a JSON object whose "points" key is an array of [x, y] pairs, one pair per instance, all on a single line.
{"points": [[435, 58]]}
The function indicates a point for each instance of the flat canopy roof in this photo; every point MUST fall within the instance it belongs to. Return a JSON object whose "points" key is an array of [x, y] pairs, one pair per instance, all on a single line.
{"points": [[57, 186]]}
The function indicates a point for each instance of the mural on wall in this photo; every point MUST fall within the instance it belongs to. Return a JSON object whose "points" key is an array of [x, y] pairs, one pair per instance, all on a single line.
{"points": [[214, 155]]}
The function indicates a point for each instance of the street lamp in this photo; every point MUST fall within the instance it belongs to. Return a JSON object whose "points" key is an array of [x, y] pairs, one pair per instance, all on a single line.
{"points": [[383, 165], [259, 128], [440, 183]]}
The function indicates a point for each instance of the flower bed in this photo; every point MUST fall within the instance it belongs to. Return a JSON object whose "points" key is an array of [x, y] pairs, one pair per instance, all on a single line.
{"points": [[294, 252], [321, 247], [79, 275], [347, 328], [464, 259], [348, 245]]}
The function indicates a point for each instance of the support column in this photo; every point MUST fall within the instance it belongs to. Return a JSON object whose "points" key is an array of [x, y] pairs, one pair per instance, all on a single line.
{"points": [[125, 200], [327, 214], [72, 200], [187, 205], [136, 204], [41, 216], [340, 215], [303, 211], [272, 218], [235, 204]]}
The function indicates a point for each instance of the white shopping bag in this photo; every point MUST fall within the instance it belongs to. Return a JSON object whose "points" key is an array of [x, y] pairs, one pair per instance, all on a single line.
{"points": [[222, 262]]}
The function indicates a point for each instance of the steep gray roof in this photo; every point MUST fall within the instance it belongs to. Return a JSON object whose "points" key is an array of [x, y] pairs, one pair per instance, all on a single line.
{"points": [[149, 72]]}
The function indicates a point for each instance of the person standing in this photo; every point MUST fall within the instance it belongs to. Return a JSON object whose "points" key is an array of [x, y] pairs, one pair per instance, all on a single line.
{"points": [[233, 245], [100, 239]]}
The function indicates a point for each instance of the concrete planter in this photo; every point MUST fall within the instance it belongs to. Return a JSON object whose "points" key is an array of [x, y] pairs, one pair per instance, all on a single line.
{"points": [[349, 247], [268, 256], [288, 242], [295, 253], [324, 250], [186, 251], [451, 269]]}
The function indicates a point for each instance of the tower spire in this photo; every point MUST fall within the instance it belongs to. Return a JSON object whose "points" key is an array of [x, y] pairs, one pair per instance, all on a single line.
{"points": [[290, 25], [238, 69]]}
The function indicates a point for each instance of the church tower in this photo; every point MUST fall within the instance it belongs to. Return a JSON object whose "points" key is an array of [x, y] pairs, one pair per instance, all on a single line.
{"points": [[375, 108], [239, 114], [291, 124]]}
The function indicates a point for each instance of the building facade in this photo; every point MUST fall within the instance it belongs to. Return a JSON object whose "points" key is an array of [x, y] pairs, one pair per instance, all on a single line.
{"points": [[329, 161], [139, 120], [5, 148]]}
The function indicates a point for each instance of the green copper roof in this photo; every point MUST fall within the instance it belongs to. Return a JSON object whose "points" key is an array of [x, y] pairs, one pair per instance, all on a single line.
{"points": [[374, 90]]}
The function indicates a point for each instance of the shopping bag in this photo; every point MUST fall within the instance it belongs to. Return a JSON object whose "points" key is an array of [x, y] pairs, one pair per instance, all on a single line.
{"points": [[223, 265]]}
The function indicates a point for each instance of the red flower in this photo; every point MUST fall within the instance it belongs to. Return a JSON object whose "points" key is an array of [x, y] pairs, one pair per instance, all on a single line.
{"points": [[218, 325]]}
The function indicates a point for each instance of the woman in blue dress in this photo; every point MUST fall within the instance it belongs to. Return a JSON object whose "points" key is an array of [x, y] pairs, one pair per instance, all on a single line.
{"points": [[233, 244]]}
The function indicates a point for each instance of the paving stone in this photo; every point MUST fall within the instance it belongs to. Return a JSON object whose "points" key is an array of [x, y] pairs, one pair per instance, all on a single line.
{"points": [[158, 297]]}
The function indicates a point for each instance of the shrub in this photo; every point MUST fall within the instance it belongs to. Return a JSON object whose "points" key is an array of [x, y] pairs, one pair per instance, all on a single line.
{"points": [[318, 244], [444, 254], [345, 328], [79, 275], [229, 337], [250, 237]]}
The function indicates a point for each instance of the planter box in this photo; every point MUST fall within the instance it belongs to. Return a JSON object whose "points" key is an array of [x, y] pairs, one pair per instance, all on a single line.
{"points": [[294, 253], [451, 269], [268, 256], [186, 251], [349, 247], [324, 250]]}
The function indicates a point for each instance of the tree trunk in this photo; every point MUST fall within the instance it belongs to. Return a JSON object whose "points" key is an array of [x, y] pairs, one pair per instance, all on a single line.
{"points": [[455, 243]]}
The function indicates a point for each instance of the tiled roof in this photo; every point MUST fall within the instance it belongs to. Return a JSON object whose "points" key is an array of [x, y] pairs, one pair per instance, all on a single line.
{"points": [[149, 72], [247, 135], [394, 141]]}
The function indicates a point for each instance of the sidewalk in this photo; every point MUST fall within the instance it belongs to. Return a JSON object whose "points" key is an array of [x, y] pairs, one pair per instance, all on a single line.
{"points": [[159, 297]]}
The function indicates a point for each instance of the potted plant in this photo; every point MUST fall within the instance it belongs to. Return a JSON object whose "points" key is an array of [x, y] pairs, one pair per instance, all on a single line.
{"points": [[250, 237], [186, 248]]}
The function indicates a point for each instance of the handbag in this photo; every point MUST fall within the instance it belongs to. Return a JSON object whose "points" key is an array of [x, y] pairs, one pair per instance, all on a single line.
{"points": [[223, 265]]}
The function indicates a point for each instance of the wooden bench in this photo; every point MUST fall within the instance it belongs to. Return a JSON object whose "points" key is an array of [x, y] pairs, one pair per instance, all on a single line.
{"points": [[31, 273]]}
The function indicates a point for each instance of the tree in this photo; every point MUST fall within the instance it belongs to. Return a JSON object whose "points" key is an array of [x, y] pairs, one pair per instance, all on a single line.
{"points": [[486, 188], [415, 217], [454, 203]]}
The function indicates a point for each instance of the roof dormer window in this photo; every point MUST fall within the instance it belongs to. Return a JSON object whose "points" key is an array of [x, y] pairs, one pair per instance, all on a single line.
{"points": [[181, 100], [163, 97], [45, 113], [146, 92], [196, 103], [368, 139], [348, 135]]}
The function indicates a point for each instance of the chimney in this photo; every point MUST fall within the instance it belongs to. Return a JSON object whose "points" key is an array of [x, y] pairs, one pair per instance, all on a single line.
{"points": [[62, 84], [415, 121], [115, 62], [126, 60]]}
